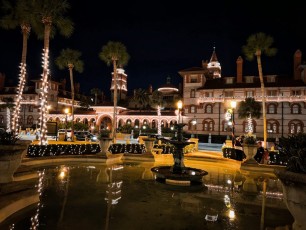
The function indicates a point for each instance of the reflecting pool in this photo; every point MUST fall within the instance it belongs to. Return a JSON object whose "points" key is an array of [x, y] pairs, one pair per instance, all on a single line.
{"points": [[127, 196]]}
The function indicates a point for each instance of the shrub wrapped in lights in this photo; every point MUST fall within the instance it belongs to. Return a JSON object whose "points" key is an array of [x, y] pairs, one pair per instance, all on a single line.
{"points": [[62, 149]]}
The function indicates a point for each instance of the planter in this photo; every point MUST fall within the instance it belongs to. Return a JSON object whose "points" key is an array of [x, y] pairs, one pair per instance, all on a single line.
{"points": [[149, 142], [294, 187], [10, 159], [104, 146], [250, 151]]}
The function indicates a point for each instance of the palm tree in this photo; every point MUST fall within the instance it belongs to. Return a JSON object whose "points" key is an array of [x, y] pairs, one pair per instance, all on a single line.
{"points": [[18, 14], [71, 59], [96, 92], [141, 98], [51, 13], [249, 108], [114, 53], [258, 44]]}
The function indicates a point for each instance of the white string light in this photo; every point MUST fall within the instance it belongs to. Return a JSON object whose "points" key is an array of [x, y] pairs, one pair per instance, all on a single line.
{"points": [[43, 98], [159, 121], [22, 78]]}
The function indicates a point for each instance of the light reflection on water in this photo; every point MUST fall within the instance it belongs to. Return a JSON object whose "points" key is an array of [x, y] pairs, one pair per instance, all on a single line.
{"points": [[99, 196]]}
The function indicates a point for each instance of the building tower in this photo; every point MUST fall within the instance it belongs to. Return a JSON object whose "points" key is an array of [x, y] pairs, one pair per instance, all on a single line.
{"points": [[121, 84], [214, 66]]}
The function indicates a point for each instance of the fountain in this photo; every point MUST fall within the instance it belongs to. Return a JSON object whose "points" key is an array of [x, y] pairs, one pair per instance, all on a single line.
{"points": [[178, 174]]}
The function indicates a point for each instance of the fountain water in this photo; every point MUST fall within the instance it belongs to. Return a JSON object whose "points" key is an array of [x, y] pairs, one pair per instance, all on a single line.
{"points": [[178, 174]]}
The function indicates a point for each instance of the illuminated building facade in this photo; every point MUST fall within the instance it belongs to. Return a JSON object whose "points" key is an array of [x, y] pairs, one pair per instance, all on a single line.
{"points": [[207, 96]]}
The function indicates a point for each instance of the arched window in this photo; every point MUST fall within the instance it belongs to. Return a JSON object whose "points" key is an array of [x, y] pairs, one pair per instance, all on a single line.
{"points": [[208, 109], [295, 109], [128, 122], [208, 125], [295, 126], [136, 124], [273, 126], [272, 109]]}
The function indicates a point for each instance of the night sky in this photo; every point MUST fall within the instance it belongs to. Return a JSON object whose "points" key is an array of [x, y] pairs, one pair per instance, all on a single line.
{"points": [[163, 38]]}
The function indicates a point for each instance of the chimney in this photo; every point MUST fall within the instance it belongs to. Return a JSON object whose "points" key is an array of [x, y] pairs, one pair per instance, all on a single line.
{"points": [[2, 81], [297, 61], [239, 63]]}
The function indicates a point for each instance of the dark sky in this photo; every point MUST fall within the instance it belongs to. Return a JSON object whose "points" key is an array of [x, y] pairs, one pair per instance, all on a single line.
{"points": [[163, 38]]}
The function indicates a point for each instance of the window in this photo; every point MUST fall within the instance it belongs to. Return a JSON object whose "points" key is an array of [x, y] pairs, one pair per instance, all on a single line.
{"points": [[208, 125], [229, 94], [295, 109], [271, 93], [193, 79], [229, 80], [273, 126], [249, 94], [209, 94], [271, 78], [192, 93], [295, 126], [249, 79], [272, 109], [193, 109], [208, 109], [296, 93]]}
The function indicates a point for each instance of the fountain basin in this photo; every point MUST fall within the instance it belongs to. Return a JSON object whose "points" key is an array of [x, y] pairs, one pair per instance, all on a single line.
{"points": [[187, 177]]}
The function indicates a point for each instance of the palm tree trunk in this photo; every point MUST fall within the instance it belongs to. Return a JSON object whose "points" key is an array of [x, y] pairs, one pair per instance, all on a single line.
{"points": [[45, 85], [70, 66], [115, 101], [96, 98], [262, 86], [25, 33]]}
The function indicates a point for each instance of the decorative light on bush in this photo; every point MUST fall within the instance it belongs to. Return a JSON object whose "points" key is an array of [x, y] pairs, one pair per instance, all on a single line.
{"points": [[8, 120], [43, 98], [250, 126], [22, 76]]}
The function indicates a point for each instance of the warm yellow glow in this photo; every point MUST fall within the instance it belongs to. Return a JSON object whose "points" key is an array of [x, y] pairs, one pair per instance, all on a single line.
{"points": [[231, 214], [179, 104], [63, 173], [49, 107], [233, 104], [66, 110]]}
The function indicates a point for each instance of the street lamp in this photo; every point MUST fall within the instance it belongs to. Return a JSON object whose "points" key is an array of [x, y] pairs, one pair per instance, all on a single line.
{"points": [[233, 106], [194, 123], [179, 106], [66, 112]]}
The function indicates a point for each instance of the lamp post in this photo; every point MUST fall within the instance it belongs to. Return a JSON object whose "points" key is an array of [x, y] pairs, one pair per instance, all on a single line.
{"points": [[66, 112], [194, 123], [233, 106], [179, 106]]}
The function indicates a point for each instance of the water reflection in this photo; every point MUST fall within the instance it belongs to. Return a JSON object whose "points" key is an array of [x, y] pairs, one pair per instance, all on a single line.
{"points": [[127, 196]]}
